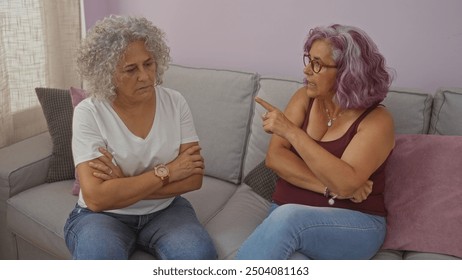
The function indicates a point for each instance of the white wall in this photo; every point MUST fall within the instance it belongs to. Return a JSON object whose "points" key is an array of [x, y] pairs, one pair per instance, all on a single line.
{"points": [[421, 39]]}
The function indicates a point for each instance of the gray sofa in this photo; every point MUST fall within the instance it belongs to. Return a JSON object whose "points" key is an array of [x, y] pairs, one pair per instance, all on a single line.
{"points": [[33, 212]]}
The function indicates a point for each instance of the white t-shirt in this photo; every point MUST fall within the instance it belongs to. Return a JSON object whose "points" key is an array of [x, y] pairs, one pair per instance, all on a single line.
{"points": [[96, 124]]}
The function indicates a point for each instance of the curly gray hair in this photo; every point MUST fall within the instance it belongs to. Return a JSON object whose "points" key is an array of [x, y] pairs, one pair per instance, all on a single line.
{"points": [[105, 44]]}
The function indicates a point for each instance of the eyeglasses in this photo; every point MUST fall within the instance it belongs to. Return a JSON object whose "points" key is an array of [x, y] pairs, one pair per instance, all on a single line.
{"points": [[316, 65]]}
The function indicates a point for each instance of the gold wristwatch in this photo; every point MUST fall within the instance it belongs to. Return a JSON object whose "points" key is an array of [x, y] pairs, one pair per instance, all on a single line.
{"points": [[161, 171]]}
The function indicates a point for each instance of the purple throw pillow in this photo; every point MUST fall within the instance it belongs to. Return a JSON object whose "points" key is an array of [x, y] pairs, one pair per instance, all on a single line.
{"points": [[423, 195]]}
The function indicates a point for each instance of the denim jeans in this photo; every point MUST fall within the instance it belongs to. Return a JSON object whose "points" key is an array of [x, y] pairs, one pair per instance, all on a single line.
{"points": [[316, 232], [172, 233]]}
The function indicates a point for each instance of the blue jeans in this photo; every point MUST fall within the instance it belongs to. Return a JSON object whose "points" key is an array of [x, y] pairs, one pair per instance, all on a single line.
{"points": [[316, 232], [172, 233]]}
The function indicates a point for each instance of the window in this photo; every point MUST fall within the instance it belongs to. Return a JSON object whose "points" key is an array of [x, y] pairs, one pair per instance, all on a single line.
{"points": [[37, 42]]}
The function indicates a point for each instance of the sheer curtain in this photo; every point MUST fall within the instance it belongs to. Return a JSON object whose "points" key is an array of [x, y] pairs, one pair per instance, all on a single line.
{"points": [[38, 39]]}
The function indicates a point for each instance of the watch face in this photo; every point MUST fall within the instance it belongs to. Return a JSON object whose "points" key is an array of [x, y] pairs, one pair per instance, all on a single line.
{"points": [[162, 171]]}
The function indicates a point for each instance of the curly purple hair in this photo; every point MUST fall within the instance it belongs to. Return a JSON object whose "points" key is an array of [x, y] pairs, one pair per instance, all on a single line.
{"points": [[362, 77]]}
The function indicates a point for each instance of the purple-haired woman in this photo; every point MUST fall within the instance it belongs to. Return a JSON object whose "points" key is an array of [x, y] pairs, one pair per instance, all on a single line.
{"points": [[329, 148]]}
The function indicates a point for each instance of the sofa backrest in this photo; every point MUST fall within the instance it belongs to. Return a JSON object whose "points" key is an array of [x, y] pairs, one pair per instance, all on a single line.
{"points": [[411, 110], [446, 118], [221, 102]]}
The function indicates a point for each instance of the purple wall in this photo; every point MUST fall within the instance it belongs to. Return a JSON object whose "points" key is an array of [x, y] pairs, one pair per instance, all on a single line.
{"points": [[421, 39]]}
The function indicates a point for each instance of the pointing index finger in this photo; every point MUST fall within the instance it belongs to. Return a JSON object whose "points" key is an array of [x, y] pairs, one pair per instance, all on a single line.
{"points": [[265, 104]]}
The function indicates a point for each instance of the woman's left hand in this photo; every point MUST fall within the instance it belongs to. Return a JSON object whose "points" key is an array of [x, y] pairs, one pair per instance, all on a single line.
{"points": [[363, 192], [107, 168]]}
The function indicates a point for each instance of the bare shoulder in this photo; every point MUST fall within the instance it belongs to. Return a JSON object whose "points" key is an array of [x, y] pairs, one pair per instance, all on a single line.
{"points": [[379, 122], [373, 141], [380, 115], [296, 108], [299, 99], [300, 94]]}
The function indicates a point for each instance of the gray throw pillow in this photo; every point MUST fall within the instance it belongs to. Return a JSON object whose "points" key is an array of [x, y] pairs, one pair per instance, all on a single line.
{"points": [[262, 180], [58, 111]]}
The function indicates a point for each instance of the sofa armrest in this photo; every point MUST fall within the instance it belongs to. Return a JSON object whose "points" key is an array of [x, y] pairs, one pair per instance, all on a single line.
{"points": [[25, 164]]}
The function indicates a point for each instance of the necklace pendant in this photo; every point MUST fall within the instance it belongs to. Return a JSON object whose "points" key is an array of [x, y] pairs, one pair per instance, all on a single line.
{"points": [[329, 123]]}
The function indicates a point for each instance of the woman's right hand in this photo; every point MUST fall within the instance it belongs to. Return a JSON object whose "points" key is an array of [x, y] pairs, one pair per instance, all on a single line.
{"points": [[188, 163]]}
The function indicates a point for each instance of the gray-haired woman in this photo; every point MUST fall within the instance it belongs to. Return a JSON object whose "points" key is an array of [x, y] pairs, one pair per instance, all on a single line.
{"points": [[135, 149]]}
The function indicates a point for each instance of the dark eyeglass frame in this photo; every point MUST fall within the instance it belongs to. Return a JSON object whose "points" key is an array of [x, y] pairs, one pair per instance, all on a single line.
{"points": [[312, 63]]}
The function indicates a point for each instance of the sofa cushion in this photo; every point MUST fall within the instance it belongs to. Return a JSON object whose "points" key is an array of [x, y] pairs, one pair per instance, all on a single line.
{"points": [[38, 216], [423, 195], [243, 212], [57, 109], [447, 113], [221, 103], [388, 255], [262, 180], [77, 95], [210, 198], [277, 92], [411, 110], [410, 255]]}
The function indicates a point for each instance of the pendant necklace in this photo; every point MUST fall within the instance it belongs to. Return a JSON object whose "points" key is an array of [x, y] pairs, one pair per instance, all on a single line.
{"points": [[331, 120]]}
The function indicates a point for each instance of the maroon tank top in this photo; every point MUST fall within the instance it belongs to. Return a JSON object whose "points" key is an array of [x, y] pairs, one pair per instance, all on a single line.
{"points": [[285, 192]]}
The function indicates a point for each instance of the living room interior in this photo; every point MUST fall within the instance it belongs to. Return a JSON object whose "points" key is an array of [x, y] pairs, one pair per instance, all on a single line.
{"points": [[262, 40]]}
